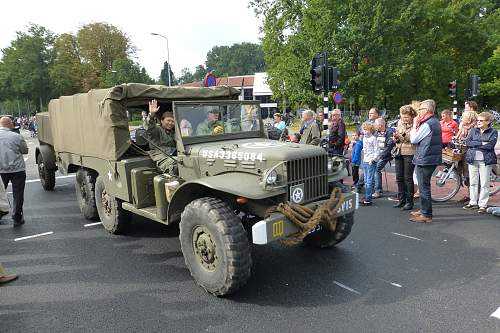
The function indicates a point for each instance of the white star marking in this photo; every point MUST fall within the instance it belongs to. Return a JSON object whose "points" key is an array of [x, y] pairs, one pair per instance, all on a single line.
{"points": [[110, 176]]}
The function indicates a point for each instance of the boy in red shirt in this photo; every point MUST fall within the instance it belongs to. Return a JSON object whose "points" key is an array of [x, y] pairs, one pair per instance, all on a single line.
{"points": [[449, 127]]}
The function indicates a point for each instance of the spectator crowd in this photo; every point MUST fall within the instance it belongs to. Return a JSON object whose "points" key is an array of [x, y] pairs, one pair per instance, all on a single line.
{"points": [[415, 144]]}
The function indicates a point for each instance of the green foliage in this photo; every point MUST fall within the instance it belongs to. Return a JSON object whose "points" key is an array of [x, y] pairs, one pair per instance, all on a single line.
{"points": [[237, 59], [387, 51], [164, 75], [24, 69], [124, 71]]}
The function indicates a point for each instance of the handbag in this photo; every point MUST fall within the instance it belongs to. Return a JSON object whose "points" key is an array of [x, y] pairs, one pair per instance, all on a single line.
{"points": [[396, 151]]}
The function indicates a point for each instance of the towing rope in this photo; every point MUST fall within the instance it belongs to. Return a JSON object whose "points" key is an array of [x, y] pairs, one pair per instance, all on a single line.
{"points": [[307, 219]]}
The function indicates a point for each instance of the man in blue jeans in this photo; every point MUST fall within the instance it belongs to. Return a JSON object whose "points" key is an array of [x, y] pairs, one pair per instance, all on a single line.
{"points": [[385, 143], [426, 135]]}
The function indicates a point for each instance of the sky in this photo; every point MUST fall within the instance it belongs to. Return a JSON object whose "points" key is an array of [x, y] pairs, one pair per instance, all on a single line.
{"points": [[192, 27]]}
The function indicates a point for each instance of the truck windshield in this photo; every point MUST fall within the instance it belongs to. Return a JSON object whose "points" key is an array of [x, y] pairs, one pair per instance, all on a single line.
{"points": [[207, 120]]}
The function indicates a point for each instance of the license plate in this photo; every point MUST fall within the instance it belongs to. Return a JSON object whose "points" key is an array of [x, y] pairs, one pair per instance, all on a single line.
{"points": [[349, 205]]}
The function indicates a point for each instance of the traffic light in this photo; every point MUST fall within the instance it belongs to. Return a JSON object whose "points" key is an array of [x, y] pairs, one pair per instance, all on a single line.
{"points": [[318, 73], [474, 86], [317, 78], [333, 78], [452, 89]]}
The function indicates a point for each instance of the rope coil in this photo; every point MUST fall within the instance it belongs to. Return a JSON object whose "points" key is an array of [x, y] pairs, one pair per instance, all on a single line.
{"points": [[307, 219]]}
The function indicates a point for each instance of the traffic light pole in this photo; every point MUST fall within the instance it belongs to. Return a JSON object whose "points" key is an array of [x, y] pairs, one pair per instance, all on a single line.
{"points": [[455, 104], [325, 91]]}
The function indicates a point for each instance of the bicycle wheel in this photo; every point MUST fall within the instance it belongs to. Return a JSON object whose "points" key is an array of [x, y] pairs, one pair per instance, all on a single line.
{"points": [[444, 183], [494, 181]]}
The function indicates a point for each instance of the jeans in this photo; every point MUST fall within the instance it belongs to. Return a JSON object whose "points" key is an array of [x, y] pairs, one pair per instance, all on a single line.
{"points": [[404, 177], [18, 180], [369, 173], [424, 174], [479, 172], [378, 174]]}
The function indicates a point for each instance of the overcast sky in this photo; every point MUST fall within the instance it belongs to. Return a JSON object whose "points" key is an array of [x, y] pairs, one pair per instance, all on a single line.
{"points": [[192, 27]]}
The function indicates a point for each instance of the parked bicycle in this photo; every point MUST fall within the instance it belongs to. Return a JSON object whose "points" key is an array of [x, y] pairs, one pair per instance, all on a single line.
{"points": [[450, 176]]}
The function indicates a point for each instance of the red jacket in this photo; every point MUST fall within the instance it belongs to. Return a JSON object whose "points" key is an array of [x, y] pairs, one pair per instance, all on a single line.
{"points": [[448, 129]]}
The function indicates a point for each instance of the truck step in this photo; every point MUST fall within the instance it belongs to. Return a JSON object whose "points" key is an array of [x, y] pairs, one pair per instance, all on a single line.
{"points": [[147, 212]]}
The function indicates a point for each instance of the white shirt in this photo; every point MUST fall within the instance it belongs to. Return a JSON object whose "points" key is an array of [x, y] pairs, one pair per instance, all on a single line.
{"points": [[370, 148]]}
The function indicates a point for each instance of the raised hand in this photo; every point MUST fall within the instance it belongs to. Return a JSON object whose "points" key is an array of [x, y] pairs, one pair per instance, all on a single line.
{"points": [[153, 107]]}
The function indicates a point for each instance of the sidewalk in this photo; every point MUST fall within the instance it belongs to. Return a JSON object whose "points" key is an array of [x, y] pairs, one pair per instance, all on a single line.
{"points": [[390, 189]]}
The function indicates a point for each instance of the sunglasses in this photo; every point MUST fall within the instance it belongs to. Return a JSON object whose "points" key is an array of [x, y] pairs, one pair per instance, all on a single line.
{"points": [[481, 120]]}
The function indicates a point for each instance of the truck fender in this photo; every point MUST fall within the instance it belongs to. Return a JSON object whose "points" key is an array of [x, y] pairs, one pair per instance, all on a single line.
{"points": [[227, 183], [48, 155]]}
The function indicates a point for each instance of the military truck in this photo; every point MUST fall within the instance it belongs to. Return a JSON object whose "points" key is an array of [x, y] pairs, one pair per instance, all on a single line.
{"points": [[228, 182]]}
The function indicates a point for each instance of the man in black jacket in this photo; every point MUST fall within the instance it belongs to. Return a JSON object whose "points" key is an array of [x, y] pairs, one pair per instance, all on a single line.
{"points": [[385, 144]]}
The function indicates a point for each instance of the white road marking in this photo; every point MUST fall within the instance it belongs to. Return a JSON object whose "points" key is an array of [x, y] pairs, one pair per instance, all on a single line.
{"points": [[392, 283], [395, 233], [91, 224], [61, 185], [496, 314], [25, 159], [33, 236], [346, 287], [60, 177]]}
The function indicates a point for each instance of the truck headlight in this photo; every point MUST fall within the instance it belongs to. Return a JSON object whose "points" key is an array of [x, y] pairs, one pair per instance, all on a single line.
{"points": [[330, 165], [272, 177]]}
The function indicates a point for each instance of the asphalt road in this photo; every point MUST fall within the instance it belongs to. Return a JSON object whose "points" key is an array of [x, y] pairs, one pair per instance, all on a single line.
{"points": [[388, 276]]}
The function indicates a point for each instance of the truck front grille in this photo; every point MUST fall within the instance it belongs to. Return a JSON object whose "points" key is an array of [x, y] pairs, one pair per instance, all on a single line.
{"points": [[310, 172]]}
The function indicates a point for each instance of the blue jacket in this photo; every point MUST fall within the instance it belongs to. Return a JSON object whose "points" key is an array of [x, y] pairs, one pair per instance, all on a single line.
{"points": [[356, 152], [474, 142], [385, 151]]}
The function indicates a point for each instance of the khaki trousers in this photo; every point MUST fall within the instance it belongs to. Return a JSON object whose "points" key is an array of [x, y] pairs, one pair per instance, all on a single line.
{"points": [[479, 173]]}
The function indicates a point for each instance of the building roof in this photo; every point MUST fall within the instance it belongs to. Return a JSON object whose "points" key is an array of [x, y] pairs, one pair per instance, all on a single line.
{"points": [[232, 81]]}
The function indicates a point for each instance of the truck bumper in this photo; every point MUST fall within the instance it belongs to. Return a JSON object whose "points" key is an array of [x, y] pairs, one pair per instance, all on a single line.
{"points": [[278, 226]]}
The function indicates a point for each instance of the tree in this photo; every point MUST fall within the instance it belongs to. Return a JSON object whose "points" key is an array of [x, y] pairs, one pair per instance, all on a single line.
{"points": [[186, 76], [238, 59], [164, 75], [385, 50], [24, 70], [125, 71], [100, 44], [67, 72]]}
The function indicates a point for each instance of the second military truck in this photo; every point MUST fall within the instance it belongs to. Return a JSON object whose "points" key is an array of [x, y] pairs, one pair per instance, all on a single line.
{"points": [[234, 186]]}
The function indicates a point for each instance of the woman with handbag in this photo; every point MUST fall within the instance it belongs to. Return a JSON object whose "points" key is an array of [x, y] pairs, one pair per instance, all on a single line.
{"points": [[403, 155]]}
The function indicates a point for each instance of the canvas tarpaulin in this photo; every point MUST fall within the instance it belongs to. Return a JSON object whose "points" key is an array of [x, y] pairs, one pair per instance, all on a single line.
{"points": [[95, 123]]}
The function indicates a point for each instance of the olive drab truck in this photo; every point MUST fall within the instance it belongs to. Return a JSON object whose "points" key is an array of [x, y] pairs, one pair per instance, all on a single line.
{"points": [[234, 187]]}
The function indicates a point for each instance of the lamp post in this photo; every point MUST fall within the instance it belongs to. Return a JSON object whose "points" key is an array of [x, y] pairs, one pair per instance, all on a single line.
{"points": [[168, 55]]}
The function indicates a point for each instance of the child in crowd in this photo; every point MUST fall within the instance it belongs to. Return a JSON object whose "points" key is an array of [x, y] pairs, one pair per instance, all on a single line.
{"points": [[371, 152], [357, 146]]}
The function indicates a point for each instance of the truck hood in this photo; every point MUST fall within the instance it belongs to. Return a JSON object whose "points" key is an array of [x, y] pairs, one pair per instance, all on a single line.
{"points": [[255, 150]]}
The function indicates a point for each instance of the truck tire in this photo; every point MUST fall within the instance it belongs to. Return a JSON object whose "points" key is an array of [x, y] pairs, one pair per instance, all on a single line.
{"points": [[47, 177], [113, 217], [215, 246], [324, 238], [85, 193]]}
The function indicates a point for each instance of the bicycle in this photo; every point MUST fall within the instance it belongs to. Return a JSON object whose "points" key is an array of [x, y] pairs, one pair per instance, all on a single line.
{"points": [[449, 177]]}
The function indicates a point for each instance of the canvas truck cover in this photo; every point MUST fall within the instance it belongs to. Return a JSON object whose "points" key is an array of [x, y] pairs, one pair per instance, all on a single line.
{"points": [[95, 124]]}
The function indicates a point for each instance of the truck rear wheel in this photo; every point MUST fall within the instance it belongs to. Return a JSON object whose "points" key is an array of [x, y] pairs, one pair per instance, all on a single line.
{"points": [[215, 246], [47, 177], [85, 193], [113, 217], [324, 238]]}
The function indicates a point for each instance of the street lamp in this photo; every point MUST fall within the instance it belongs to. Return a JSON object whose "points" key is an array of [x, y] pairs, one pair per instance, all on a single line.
{"points": [[168, 55]]}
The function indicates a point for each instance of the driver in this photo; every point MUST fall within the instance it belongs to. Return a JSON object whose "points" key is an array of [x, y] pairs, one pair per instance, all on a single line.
{"points": [[210, 126], [163, 136]]}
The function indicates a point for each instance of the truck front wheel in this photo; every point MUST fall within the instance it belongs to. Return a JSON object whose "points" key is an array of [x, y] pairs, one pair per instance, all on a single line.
{"points": [[85, 193], [113, 217], [215, 246], [325, 238], [47, 177]]}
